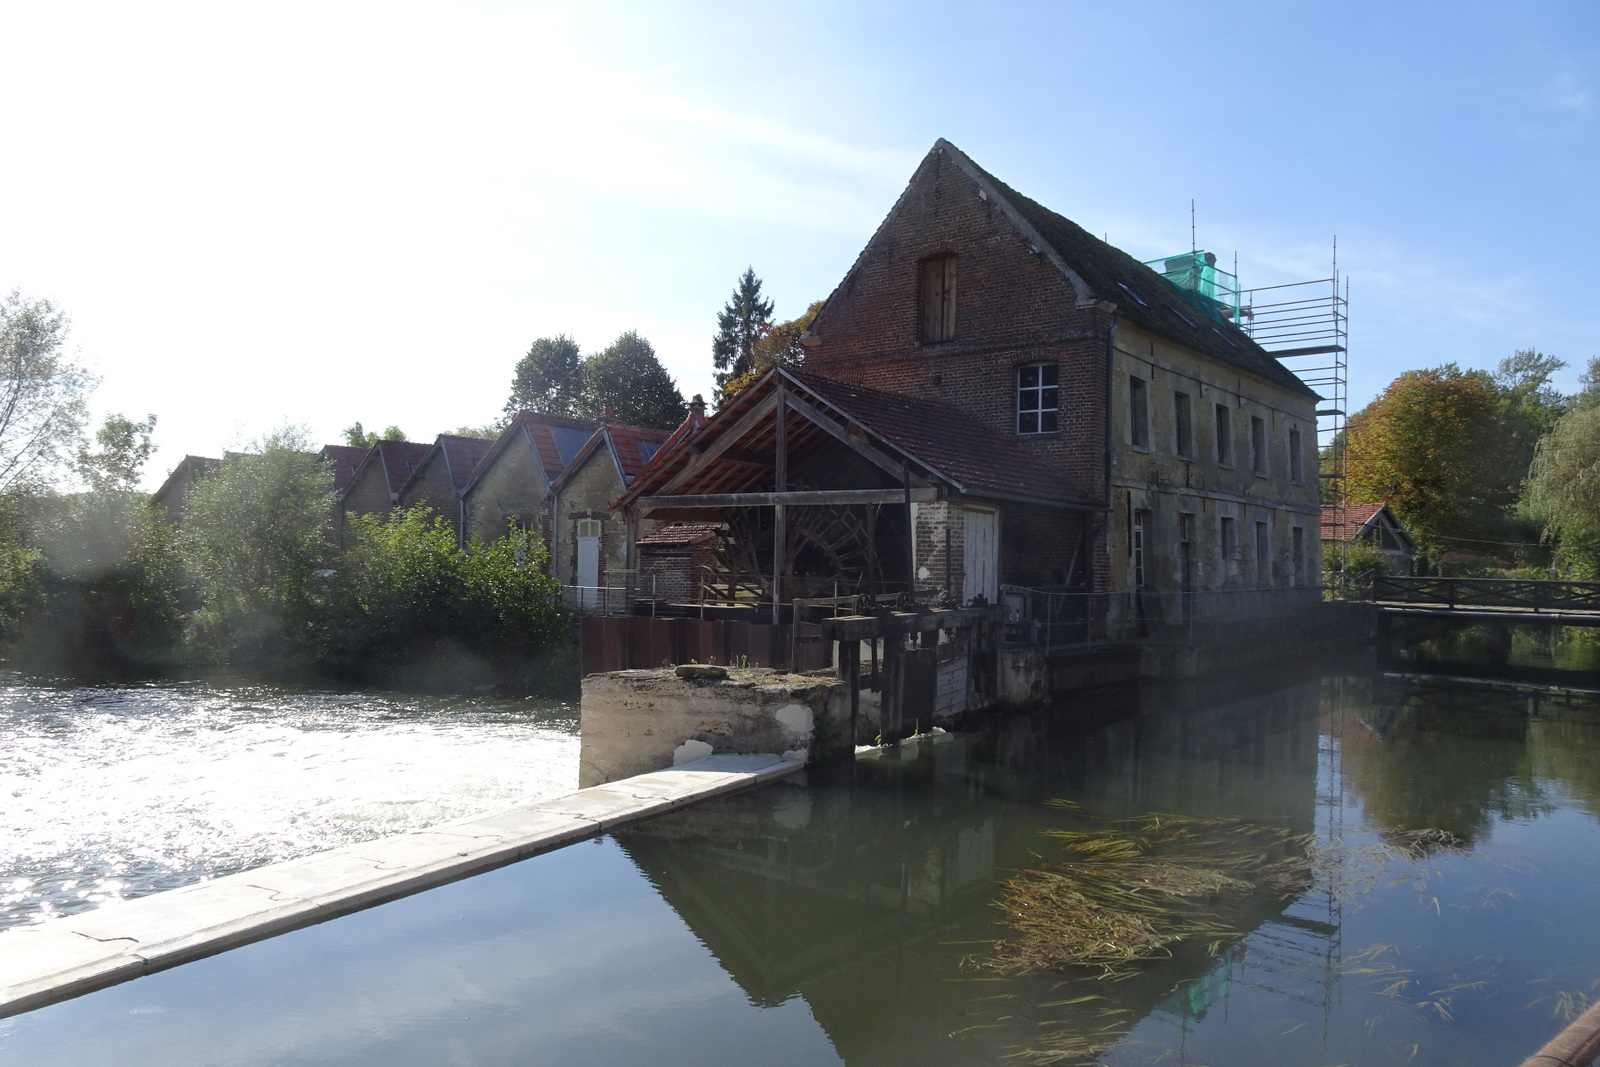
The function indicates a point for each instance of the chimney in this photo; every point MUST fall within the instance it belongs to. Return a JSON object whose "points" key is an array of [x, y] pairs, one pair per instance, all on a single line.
{"points": [[697, 410], [608, 415]]}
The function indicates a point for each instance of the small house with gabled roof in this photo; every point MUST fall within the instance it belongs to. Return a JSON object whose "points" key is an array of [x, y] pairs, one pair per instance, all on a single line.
{"points": [[374, 487], [1373, 526], [442, 476], [511, 484], [344, 461], [170, 497], [590, 546]]}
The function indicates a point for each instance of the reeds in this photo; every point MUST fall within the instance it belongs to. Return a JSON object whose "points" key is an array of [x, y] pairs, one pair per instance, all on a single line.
{"points": [[1126, 893]]}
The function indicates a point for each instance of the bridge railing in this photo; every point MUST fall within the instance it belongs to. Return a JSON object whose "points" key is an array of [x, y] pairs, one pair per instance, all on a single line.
{"points": [[1515, 593]]}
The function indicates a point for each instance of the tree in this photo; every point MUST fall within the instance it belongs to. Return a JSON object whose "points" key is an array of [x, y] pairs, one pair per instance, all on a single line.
{"points": [[1564, 484], [629, 379], [739, 326], [124, 447], [778, 345], [1433, 447], [357, 437], [253, 539], [548, 379], [42, 393]]}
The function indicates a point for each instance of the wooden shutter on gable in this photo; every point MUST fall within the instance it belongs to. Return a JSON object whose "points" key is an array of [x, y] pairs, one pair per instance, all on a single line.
{"points": [[938, 298]]}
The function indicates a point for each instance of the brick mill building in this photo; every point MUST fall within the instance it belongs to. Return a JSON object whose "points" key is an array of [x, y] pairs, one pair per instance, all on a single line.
{"points": [[994, 397]]}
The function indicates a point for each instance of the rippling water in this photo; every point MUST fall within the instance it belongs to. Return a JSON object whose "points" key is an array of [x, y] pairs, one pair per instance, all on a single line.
{"points": [[118, 791]]}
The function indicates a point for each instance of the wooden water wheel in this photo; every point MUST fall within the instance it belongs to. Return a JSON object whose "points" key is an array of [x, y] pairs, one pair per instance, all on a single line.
{"points": [[828, 551]]}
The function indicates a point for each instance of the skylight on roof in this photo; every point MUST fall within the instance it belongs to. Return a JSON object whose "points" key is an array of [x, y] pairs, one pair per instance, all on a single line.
{"points": [[647, 449], [1124, 287], [568, 442]]}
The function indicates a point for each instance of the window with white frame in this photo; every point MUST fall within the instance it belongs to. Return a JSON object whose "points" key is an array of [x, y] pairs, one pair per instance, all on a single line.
{"points": [[1038, 404]]}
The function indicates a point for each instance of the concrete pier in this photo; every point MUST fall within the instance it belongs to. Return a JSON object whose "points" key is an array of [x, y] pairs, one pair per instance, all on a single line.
{"points": [[70, 956]]}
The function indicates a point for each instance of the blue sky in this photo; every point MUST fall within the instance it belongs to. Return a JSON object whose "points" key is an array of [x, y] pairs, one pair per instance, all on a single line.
{"points": [[323, 212]]}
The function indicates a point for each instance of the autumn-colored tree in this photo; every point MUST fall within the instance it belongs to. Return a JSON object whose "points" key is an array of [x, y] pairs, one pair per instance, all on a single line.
{"points": [[777, 344], [1433, 448]]}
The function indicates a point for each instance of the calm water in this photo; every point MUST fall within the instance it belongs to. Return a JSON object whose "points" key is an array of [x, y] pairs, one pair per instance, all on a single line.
{"points": [[119, 791], [834, 920]]}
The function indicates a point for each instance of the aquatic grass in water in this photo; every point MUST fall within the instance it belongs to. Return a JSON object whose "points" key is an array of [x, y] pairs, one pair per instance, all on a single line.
{"points": [[1127, 892]]}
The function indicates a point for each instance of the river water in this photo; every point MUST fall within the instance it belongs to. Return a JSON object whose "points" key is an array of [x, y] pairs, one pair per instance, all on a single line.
{"points": [[118, 791], [1441, 838]]}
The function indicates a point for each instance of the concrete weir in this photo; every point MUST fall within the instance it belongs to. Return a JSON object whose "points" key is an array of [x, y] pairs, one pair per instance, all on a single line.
{"points": [[66, 957]]}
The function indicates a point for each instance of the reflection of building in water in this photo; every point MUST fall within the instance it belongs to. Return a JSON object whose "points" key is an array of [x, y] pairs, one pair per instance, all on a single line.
{"points": [[864, 890]]}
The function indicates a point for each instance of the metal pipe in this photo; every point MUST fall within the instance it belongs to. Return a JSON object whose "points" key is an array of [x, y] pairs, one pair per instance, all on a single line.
{"points": [[1576, 1046]]}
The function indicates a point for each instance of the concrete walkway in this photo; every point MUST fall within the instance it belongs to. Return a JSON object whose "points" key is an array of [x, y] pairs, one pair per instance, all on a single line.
{"points": [[66, 957]]}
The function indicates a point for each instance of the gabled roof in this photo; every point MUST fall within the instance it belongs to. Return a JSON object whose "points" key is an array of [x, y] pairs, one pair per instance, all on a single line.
{"points": [[1348, 522], [1108, 273], [627, 448], [554, 441], [189, 469], [392, 461], [460, 456], [345, 461], [937, 442]]}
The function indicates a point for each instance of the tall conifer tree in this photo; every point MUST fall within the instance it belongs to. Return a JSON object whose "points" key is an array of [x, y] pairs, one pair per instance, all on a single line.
{"points": [[739, 327]]}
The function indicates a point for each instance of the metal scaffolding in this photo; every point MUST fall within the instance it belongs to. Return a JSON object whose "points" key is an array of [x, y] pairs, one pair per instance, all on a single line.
{"points": [[1306, 325]]}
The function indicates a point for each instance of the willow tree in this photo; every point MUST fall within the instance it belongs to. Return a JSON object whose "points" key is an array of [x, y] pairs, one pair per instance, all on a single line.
{"points": [[1564, 487]]}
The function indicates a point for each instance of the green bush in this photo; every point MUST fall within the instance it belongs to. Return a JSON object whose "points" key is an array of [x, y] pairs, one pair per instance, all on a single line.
{"points": [[405, 606]]}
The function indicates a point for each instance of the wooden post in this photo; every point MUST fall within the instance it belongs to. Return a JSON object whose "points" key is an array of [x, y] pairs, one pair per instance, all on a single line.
{"points": [[911, 538], [780, 470], [850, 666]]}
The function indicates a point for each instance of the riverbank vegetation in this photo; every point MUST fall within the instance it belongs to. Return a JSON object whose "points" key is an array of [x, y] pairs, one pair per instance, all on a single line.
{"points": [[1494, 473], [96, 582]]}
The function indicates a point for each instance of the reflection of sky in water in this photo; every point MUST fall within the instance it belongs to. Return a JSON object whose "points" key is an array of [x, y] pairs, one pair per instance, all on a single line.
{"points": [[119, 791], [826, 921]]}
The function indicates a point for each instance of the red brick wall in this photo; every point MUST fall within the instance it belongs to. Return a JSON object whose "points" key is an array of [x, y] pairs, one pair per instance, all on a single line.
{"points": [[1013, 307]]}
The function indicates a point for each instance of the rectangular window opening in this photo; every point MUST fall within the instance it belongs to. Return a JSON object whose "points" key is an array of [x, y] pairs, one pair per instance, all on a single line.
{"points": [[938, 299], [1038, 398], [1296, 460], [1263, 555], [1182, 426], [1258, 444], [1224, 435], [1297, 544], [1138, 414]]}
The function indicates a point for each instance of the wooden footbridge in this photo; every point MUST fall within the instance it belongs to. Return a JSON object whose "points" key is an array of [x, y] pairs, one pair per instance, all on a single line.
{"points": [[1552, 603]]}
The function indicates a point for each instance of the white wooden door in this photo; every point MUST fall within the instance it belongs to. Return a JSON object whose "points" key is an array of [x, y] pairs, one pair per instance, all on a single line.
{"points": [[588, 576], [981, 556]]}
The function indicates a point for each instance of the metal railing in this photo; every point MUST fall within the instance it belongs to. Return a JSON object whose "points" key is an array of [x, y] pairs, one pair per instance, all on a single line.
{"points": [[1063, 620], [1533, 595]]}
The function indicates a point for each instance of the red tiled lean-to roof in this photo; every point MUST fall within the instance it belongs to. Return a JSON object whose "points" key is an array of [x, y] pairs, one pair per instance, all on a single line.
{"points": [[688, 533]]}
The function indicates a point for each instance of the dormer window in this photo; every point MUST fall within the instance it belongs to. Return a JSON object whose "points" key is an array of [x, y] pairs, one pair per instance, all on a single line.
{"points": [[938, 299], [1038, 405]]}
